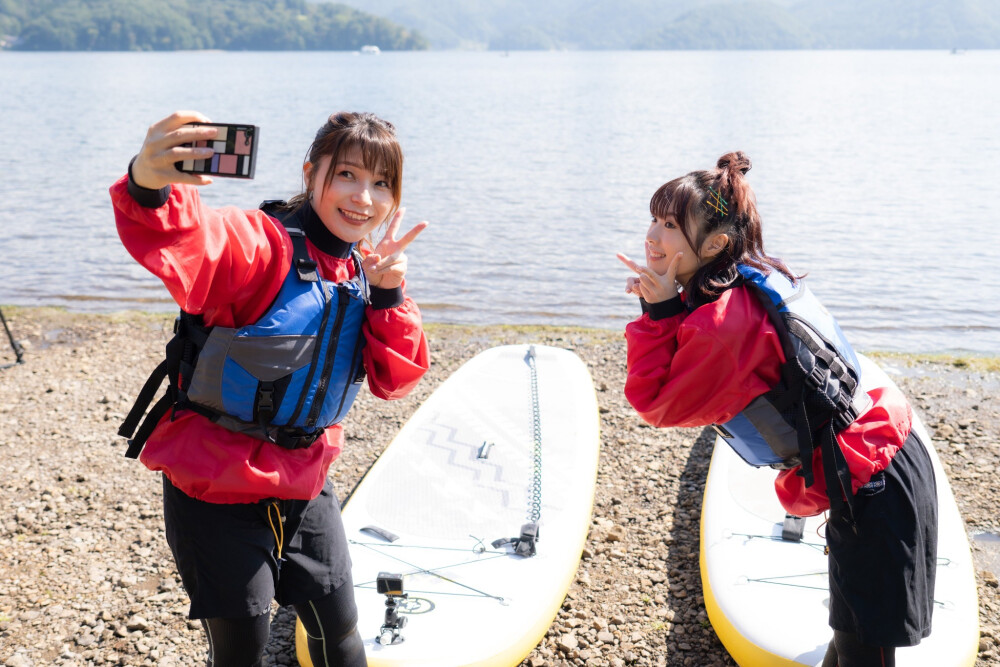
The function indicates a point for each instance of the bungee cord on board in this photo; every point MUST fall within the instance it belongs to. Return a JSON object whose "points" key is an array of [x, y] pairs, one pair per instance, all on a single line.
{"points": [[524, 544], [435, 571]]}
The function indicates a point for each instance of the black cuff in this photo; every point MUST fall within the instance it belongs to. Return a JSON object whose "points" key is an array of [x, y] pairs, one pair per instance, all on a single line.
{"points": [[144, 196], [383, 299], [663, 309]]}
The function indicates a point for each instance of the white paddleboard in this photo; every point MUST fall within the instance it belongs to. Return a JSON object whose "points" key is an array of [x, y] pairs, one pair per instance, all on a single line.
{"points": [[462, 473], [768, 599]]}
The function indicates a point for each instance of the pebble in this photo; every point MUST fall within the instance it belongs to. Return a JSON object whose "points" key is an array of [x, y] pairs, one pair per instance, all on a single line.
{"points": [[567, 643], [91, 580]]}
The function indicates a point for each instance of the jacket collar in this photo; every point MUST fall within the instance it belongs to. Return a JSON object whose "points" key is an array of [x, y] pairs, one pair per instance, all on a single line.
{"points": [[320, 236]]}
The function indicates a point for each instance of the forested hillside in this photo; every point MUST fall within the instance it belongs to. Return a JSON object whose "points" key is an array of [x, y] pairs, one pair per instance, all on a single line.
{"points": [[498, 24], [697, 24], [155, 25]]}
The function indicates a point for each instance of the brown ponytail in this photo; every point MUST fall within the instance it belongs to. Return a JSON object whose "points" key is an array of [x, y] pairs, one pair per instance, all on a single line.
{"points": [[716, 201], [732, 168]]}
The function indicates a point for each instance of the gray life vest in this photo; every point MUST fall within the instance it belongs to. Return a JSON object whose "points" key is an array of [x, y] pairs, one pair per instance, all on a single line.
{"points": [[818, 396]]}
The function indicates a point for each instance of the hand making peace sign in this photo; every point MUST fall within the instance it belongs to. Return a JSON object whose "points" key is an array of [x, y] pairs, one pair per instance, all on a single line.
{"points": [[386, 265], [653, 287]]}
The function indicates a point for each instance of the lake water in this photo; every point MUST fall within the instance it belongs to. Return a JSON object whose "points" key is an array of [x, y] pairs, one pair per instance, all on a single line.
{"points": [[875, 172]]}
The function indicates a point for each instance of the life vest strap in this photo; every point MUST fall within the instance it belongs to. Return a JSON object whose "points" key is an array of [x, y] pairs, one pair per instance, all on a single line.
{"points": [[143, 400], [805, 440], [305, 265], [838, 476], [159, 409]]}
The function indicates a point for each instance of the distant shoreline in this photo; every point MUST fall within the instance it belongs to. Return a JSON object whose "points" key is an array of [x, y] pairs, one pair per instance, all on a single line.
{"points": [[966, 361], [485, 49]]}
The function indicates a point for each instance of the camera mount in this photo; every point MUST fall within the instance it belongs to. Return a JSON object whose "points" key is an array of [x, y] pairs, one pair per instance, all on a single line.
{"points": [[391, 585]]}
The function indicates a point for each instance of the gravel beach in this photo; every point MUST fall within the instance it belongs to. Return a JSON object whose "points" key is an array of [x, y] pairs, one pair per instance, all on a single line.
{"points": [[86, 577]]}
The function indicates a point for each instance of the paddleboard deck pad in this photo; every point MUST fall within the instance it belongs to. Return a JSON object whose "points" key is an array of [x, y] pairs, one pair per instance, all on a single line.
{"points": [[507, 447], [768, 597]]}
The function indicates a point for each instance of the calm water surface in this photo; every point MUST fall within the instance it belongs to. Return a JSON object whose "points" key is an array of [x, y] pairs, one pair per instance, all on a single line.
{"points": [[876, 172]]}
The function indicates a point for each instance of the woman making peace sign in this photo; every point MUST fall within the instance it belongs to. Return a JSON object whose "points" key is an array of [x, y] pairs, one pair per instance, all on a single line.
{"points": [[285, 310]]}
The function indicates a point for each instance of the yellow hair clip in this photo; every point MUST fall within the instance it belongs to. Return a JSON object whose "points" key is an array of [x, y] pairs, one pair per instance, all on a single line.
{"points": [[718, 203]]}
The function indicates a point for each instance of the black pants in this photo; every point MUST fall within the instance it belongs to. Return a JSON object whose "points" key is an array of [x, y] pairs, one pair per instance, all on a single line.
{"points": [[330, 623], [235, 559], [882, 576], [846, 651]]}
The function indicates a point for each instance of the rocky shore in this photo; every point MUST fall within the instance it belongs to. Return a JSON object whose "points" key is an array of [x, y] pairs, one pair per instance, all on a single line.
{"points": [[86, 577]]}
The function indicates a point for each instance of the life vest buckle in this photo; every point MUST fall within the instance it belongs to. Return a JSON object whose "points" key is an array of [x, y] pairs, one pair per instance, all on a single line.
{"points": [[306, 269], [292, 438], [816, 377], [265, 401]]}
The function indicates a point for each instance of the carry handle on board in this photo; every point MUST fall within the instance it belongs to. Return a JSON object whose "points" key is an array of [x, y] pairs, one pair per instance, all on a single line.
{"points": [[523, 545]]}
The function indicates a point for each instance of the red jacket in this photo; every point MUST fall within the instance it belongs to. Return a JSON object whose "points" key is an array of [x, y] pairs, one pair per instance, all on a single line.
{"points": [[228, 265], [703, 367]]}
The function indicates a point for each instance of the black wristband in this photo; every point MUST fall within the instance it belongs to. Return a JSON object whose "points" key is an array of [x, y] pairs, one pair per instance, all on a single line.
{"points": [[664, 309], [383, 299], [146, 197]]}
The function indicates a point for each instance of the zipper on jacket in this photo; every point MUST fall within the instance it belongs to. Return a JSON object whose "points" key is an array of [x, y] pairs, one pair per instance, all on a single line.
{"points": [[331, 353], [316, 354], [356, 377]]}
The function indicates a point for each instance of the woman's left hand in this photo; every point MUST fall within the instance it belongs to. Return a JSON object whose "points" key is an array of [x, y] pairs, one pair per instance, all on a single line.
{"points": [[386, 265]]}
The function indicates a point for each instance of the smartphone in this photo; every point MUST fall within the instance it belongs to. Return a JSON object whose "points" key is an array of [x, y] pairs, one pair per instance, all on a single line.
{"points": [[235, 147]]}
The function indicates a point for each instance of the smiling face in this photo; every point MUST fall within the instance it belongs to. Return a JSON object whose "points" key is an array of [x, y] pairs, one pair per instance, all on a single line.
{"points": [[355, 201], [664, 239]]}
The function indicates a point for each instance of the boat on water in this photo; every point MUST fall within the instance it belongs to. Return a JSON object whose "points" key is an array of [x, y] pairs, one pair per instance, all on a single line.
{"points": [[370, 49]]}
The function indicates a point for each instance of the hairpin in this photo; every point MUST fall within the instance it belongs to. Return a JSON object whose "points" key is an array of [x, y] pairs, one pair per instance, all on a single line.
{"points": [[718, 203]]}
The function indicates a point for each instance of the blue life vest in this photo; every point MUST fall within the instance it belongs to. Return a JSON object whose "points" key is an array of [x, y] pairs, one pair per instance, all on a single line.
{"points": [[819, 393], [284, 378]]}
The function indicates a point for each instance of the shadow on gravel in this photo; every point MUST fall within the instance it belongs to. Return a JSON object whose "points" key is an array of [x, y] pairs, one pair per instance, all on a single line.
{"points": [[280, 649], [701, 648]]}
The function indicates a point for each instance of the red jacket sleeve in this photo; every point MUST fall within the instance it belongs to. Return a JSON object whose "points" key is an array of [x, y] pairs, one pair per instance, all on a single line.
{"points": [[395, 354], [226, 264], [703, 367]]}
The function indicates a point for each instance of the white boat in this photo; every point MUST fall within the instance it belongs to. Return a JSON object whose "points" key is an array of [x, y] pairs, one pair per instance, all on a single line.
{"points": [[371, 49]]}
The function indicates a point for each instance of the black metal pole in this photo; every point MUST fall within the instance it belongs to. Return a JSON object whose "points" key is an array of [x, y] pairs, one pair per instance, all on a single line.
{"points": [[18, 351]]}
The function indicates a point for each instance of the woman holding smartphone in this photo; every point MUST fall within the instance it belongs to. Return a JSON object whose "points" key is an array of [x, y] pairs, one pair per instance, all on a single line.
{"points": [[248, 429]]}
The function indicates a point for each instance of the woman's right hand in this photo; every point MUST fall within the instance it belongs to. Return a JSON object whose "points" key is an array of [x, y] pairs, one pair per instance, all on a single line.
{"points": [[154, 168], [653, 287]]}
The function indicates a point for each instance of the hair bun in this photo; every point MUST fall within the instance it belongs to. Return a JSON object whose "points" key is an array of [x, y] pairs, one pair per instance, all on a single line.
{"points": [[735, 160]]}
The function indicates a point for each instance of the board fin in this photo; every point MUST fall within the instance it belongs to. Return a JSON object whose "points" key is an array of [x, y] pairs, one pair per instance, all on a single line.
{"points": [[793, 528]]}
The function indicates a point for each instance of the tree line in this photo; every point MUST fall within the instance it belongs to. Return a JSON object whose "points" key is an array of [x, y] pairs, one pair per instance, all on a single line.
{"points": [[154, 25], [698, 24]]}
